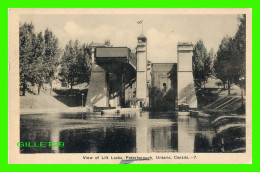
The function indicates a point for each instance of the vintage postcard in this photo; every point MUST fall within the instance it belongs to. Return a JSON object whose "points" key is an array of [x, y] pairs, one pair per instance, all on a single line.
{"points": [[130, 86]]}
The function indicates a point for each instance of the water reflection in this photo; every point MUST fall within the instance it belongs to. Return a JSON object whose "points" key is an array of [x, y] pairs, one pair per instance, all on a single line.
{"points": [[194, 135], [141, 133]]}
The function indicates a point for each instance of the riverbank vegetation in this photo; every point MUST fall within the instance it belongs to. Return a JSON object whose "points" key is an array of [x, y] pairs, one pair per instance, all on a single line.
{"points": [[43, 61], [224, 107], [227, 67], [38, 56]]}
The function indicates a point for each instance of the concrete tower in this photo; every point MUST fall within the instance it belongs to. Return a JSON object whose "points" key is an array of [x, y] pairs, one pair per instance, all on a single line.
{"points": [[97, 89], [186, 89], [141, 70]]}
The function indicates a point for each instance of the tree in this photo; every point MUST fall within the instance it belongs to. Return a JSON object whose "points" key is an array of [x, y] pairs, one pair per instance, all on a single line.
{"points": [[220, 62], [37, 72], [211, 56], [47, 52], [223, 63], [201, 63], [219, 83], [38, 55], [108, 43], [240, 51], [229, 65], [51, 55], [76, 63], [27, 40]]}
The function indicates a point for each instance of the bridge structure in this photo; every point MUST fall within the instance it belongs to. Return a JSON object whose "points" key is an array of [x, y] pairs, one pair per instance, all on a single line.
{"points": [[113, 73], [118, 76]]}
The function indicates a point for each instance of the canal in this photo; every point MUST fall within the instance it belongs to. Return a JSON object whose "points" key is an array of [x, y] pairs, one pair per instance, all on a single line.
{"points": [[143, 132]]}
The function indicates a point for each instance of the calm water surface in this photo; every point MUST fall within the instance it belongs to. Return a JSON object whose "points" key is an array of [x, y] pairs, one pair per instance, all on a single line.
{"points": [[137, 133]]}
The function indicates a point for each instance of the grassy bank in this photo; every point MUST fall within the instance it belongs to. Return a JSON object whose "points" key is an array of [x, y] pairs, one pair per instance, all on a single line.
{"points": [[57, 98], [71, 97], [226, 114]]}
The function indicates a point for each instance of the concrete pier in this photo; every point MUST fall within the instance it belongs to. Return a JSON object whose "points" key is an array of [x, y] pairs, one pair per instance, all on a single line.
{"points": [[186, 89]]}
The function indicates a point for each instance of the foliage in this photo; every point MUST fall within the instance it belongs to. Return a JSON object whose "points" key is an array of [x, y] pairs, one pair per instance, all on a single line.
{"points": [[161, 100], [71, 97], [75, 63], [229, 65], [52, 54], [38, 55], [201, 63], [240, 51], [27, 40], [222, 65], [108, 43], [206, 96], [165, 100], [218, 84]]}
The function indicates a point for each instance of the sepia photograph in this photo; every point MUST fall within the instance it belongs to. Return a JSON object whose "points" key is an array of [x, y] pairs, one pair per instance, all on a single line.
{"points": [[130, 85]]}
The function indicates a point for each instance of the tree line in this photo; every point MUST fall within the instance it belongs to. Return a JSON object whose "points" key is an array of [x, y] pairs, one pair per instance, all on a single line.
{"points": [[40, 56], [228, 64]]}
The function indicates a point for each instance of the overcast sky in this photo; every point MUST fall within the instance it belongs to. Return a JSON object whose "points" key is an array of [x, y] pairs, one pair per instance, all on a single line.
{"points": [[163, 31]]}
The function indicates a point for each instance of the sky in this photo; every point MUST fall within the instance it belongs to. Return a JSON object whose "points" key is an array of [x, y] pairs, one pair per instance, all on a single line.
{"points": [[163, 31]]}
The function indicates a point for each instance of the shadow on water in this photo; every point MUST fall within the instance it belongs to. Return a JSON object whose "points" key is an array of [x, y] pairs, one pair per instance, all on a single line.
{"points": [[136, 133]]}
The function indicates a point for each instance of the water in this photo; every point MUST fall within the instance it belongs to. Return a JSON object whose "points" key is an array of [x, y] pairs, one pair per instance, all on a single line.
{"points": [[137, 133]]}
